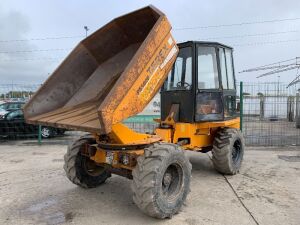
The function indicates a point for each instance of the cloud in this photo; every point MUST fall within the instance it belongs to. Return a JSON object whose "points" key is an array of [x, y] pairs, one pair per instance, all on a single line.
{"points": [[18, 66], [66, 18]]}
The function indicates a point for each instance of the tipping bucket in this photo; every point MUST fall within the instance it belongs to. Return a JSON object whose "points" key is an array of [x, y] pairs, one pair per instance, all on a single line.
{"points": [[110, 76]]}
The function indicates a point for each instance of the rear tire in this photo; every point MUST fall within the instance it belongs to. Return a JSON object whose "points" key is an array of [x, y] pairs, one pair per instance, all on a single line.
{"points": [[228, 151], [161, 180], [80, 169]]}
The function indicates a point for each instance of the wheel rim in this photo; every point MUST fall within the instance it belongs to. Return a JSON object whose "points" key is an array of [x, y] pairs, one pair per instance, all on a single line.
{"points": [[236, 151], [45, 132], [172, 182], [91, 168]]}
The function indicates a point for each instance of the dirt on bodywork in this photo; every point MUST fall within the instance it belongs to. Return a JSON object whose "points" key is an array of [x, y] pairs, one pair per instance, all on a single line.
{"points": [[111, 75]]}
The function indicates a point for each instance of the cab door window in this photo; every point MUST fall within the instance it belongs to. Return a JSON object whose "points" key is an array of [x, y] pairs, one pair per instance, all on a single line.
{"points": [[229, 66], [180, 77], [223, 68], [207, 68]]}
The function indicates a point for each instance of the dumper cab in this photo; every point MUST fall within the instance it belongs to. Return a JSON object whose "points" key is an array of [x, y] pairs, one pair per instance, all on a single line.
{"points": [[201, 84]]}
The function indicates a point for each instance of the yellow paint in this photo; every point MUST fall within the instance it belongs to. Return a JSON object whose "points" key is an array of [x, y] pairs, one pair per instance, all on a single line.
{"points": [[151, 76], [100, 157], [166, 134], [121, 134], [200, 134]]}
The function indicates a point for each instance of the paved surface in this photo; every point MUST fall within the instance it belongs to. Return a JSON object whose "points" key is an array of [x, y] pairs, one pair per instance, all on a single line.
{"points": [[34, 190]]}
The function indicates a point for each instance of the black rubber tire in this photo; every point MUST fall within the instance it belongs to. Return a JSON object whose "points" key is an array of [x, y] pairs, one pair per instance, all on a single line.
{"points": [[228, 151], [149, 175], [75, 167], [60, 131]]}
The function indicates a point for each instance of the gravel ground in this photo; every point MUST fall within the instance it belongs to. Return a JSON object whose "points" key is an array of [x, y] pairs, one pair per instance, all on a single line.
{"points": [[34, 190]]}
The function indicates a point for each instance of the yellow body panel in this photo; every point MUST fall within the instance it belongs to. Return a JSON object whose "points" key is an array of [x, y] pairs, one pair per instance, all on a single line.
{"points": [[121, 134], [124, 136], [165, 134], [200, 135], [113, 158]]}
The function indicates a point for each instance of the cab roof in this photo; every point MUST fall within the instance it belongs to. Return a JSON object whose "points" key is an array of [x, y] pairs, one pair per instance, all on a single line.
{"points": [[204, 43]]}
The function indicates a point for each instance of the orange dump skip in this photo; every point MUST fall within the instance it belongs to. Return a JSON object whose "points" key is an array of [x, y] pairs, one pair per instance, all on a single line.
{"points": [[110, 76]]}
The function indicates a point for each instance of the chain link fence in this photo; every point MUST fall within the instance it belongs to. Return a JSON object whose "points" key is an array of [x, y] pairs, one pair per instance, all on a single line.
{"points": [[271, 116]]}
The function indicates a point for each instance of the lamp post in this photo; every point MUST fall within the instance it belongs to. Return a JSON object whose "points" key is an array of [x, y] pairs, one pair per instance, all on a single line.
{"points": [[86, 30]]}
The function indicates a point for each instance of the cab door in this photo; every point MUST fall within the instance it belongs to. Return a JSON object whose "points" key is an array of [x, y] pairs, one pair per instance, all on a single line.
{"points": [[209, 105], [178, 88]]}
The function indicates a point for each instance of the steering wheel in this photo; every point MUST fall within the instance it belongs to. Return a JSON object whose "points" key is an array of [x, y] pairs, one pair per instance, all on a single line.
{"points": [[183, 84]]}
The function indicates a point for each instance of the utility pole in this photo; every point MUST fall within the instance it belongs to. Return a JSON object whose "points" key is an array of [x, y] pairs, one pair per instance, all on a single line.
{"points": [[86, 30]]}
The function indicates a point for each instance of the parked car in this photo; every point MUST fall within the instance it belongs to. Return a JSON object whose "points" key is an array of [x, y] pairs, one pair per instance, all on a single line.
{"points": [[13, 124], [3, 112], [11, 106]]}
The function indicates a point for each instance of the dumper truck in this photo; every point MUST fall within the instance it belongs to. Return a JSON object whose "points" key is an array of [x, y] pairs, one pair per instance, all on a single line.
{"points": [[112, 75]]}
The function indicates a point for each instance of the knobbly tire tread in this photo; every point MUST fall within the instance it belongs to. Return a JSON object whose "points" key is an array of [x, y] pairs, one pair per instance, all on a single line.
{"points": [[222, 150], [73, 165], [149, 170]]}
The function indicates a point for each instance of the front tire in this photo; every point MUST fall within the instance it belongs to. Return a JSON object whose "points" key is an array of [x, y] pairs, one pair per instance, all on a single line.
{"points": [[228, 151], [80, 169], [161, 180]]}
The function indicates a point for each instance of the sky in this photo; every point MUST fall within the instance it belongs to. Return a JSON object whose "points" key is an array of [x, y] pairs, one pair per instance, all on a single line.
{"points": [[35, 36]]}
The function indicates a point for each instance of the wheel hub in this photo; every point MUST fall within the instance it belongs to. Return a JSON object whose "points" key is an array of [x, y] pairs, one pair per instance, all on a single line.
{"points": [[172, 181], [91, 168], [167, 179], [236, 151]]}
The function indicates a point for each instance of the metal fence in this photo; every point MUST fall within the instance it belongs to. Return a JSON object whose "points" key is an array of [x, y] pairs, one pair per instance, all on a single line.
{"points": [[271, 115]]}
